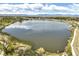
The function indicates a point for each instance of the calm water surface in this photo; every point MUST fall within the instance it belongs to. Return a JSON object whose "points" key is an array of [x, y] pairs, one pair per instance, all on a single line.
{"points": [[51, 35]]}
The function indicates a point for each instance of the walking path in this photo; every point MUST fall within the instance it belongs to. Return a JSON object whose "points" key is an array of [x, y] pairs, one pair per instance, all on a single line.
{"points": [[75, 43]]}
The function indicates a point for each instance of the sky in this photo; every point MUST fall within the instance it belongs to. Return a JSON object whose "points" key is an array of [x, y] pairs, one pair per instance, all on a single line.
{"points": [[39, 1], [40, 8]]}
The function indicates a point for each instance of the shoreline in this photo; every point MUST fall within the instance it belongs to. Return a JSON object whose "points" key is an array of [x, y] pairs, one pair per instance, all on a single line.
{"points": [[49, 20]]}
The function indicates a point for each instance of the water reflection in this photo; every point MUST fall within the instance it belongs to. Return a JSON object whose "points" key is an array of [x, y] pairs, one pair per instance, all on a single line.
{"points": [[51, 35]]}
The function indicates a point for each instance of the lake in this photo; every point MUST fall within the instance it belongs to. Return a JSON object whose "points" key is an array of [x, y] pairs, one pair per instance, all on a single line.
{"points": [[51, 35]]}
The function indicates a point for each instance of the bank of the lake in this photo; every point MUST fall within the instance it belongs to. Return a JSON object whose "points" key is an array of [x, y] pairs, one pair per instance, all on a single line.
{"points": [[39, 51]]}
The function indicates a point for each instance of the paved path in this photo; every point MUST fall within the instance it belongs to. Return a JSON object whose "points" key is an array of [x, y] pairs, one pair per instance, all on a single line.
{"points": [[75, 43]]}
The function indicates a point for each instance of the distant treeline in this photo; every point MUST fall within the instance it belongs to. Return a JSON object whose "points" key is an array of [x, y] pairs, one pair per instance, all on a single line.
{"points": [[19, 18]]}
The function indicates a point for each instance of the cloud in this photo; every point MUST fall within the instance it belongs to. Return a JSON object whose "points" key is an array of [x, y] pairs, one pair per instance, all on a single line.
{"points": [[39, 1], [39, 8], [76, 4], [75, 7], [57, 8], [36, 5]]}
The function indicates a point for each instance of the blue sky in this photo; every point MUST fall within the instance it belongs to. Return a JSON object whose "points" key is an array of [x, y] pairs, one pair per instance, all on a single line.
{"points": [[39, 1], [40, 8]]}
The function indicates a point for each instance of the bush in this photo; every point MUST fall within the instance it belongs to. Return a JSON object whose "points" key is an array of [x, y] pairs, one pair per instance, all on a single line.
{"points": [[68, 49]]}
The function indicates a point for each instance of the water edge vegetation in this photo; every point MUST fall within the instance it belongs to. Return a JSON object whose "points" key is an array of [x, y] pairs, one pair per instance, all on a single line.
{"points": [[12, 46]]}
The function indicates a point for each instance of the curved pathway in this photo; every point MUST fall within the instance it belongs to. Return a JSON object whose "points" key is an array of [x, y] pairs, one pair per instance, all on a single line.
{"points": [[75, 43]]}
